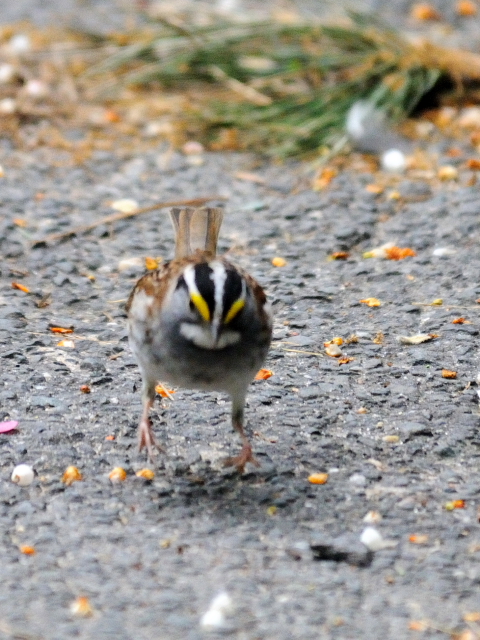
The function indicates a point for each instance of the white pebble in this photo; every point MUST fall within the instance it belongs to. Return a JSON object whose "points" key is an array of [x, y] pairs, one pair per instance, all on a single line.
{"points": [[333, 350], [7, 105], [125, 205], [469, 118], [19, 43], [393, 160], [372, 539], [358, 479], [36, 89], [159, 128], [227, 6], [7, 73], [212, 619], [357, 115], [23, 475], [443, 251], [193, 148], [222, 602]]}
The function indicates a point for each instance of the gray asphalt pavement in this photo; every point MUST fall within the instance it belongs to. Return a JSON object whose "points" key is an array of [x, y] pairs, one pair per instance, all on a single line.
{"points": [[395, 437]]}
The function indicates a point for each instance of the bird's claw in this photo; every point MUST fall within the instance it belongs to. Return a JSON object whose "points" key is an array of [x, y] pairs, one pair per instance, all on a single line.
{"points": [[241, 460], [146, 439]]}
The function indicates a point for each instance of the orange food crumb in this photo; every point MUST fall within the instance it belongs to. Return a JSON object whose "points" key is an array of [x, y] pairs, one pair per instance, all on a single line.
{"points": [[318, 478], [151, 264], [61, 329], [27, 549], [394, 195], [371, 302], [418, 538], [71, 474], [339, 255], [117, 475], [473, 164], [324, 178], [447, 172], [424, 11], [81, 607], [374, 188], [460, 321], [454, 152], [446, 373], [472, 616], [279, 262], [264, 374], [459, 504], [85, 388], [398, 253], [338, 341], [148, 474], [163, 391], [417, 625], [20, 287], [111, 116], [345, 360], [20, 222], [66, 343], [466, 8]]}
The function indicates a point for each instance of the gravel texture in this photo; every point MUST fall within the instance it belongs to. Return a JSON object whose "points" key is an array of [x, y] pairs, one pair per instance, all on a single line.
{"points": [[150, 556]]}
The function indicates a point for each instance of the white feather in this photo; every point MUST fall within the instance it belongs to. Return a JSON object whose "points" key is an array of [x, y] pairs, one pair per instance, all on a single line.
{"points": [[219, 277], [203, 337], [141, 304]]}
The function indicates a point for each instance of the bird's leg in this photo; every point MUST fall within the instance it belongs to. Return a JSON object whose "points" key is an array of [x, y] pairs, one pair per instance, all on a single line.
{"points": [[145, 432], [246, 454]]}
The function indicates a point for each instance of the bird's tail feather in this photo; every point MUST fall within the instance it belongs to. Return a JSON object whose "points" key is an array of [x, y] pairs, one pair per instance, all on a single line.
{"points": [[196, 228]]}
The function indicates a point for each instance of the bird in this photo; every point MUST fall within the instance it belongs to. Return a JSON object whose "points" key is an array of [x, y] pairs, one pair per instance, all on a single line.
{"points": [[199, 322]]}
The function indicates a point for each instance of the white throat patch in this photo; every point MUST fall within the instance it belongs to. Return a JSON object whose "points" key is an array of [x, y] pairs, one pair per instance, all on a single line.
{"points": [[202, 337]]}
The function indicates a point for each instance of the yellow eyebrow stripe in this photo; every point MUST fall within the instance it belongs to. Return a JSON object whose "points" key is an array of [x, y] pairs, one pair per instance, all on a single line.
{"points": [[202, 306], [236, 307]]}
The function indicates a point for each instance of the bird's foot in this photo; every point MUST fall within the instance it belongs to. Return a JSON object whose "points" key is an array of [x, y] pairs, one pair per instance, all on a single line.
{"points": [[146, 439], [241, 460]]}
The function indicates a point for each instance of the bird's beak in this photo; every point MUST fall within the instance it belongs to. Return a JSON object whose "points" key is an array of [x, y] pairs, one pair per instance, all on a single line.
{"points": [[216, 331]]}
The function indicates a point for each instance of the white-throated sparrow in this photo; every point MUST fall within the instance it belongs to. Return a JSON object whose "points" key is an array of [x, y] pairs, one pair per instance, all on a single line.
{"points": [[199, 322]]}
